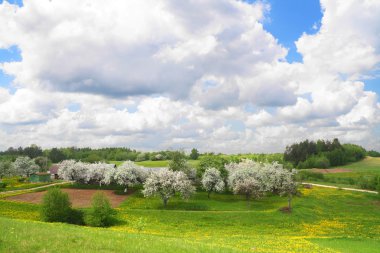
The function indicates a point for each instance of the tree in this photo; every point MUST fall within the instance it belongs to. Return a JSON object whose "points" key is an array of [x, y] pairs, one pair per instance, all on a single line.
{"points": [[95, 172], [212, 181], [71, 170], [33, 151], [129, 174], [25, 166], [244, 181], [286, 185], [100, 214], [56, 206], [5, 169], [165, 183], [194, 154], [42, 162], [178, 161], [212, 161], [56, 155]]}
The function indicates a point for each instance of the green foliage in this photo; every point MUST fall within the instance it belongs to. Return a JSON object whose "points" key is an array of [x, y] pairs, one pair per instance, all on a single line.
{"points": [[194, 154], [43, 163], [178, 161], [3, 185], [373, 153], [101, 213], [56, 155], [212, 161], [310, 154], [368, 182], [141, 157], [56, 206], [315, 161]]}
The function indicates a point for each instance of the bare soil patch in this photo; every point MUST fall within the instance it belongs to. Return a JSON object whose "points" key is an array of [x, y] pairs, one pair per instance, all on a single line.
{"points": [[78, 197], [331, 171]]}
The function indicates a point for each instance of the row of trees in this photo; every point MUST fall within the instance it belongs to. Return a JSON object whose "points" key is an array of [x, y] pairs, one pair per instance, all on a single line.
{"points": [[322, 154], [248, 178], [22, 166]]}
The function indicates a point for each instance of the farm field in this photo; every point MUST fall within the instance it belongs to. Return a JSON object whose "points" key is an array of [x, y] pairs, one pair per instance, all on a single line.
{"points": [[370, 166], [79, 197], [323, 220], [348, 175]]}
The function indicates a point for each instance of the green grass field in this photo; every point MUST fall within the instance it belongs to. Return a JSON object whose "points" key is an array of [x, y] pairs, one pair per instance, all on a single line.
{"points": [[323, 220]]}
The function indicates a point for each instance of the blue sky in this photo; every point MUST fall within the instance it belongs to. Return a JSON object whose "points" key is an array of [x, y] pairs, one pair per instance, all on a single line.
{"points": [[209, 78]]}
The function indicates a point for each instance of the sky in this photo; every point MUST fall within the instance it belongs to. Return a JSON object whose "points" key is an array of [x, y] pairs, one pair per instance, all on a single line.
{"points": [[226, 76]]}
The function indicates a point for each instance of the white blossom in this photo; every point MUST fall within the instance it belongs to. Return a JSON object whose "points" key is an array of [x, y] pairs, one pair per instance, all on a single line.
{"points": [[212, 181], [255, 179], [165, 183], [72, 170], [5, 169], [24, 166], [129, 174]]}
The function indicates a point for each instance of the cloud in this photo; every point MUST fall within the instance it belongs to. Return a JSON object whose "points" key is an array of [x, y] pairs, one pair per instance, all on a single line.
{"points": [[128, 48]]}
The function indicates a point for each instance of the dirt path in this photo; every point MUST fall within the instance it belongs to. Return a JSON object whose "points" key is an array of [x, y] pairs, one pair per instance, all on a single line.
{"points": [[335, 187], [78, 197], [32, 189]]}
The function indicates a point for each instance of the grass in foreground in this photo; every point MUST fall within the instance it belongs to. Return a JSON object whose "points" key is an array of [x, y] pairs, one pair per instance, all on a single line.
{"points": [[27, 236], [323, 220]]}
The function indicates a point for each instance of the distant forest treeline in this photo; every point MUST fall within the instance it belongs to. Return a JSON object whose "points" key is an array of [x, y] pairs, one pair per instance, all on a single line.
{"points": [[324, 153], [306, 154]]}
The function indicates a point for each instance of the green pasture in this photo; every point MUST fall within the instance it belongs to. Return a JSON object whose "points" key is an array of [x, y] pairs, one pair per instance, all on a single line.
{"points": [[323, 220]]}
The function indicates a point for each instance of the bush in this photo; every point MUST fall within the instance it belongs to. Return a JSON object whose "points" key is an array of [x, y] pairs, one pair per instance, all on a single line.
{"points": [[101, 213], [321, 162], [76, 217], [3, 185], [56, 206], [369, 183]]}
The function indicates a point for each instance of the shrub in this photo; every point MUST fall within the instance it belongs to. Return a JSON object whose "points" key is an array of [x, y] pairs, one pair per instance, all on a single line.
{"points": [[101, 213], [56, 206], [321, 162], [76, 217], [3, 185]]}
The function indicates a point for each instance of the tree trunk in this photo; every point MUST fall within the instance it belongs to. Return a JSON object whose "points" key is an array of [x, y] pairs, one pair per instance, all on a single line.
{"points": [[165, 202], [290, 202], [125, 190]]}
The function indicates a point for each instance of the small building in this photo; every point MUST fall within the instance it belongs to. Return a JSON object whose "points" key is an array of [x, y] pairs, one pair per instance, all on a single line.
{"points": [[40, 177], [53, 171]]}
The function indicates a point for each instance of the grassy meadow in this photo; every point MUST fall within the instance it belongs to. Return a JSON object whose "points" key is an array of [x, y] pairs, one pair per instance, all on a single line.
{"points": [[323, 220]]}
